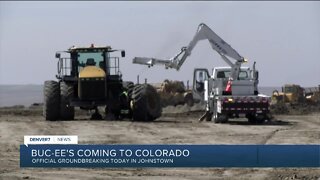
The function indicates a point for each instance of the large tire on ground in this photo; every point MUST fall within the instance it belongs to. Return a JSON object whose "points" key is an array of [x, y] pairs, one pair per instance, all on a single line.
{"points": [[66, 94], [51, 106], [146, 105]]}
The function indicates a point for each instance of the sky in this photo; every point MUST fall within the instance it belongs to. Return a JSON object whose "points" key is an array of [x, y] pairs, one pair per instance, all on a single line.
{"points": [[282, 37]]}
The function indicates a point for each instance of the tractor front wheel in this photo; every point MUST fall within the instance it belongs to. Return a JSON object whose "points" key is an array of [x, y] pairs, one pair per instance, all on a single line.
{"points": [[66, 94], [51, 92]]}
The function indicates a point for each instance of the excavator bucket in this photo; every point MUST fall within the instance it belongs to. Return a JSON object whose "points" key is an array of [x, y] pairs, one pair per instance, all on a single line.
{"points": [[149, 61]]}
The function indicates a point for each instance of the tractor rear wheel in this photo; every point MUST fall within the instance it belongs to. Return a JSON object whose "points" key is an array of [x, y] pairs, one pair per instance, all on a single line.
{"points": [[66, 93], [51, 92], [146, 105]]}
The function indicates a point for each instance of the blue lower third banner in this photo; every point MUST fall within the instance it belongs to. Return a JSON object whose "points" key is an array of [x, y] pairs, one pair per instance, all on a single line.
{"points": [[170, 156]]}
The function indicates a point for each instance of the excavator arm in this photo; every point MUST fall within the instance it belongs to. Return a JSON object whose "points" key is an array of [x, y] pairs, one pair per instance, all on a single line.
{"points": [[203, 33]]}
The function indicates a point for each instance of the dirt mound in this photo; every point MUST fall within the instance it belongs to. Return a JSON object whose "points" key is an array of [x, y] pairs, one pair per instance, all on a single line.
{"points": [[300, 109]]}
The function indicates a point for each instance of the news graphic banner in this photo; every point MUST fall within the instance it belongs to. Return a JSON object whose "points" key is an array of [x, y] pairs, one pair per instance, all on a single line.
{"points": [[52, 155], [52, 139]]}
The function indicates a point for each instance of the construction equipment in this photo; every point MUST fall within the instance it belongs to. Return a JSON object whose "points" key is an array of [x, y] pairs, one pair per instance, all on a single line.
{"points": [[174, 93], [291, 93], [88, 77], [312, 95], [229, 92]]}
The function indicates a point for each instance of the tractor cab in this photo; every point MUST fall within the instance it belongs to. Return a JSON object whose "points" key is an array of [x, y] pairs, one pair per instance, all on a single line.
{"points": [[79, 58]]}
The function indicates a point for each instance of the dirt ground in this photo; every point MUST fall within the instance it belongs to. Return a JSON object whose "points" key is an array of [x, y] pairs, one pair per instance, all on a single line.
{"points": [[171, 128]]}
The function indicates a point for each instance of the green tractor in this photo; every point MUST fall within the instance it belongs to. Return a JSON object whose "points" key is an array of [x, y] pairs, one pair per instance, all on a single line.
{"points": [[89, 77]]}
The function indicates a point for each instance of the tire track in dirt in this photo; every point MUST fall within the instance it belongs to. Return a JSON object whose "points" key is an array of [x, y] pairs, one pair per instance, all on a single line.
{"points": [[269, 136], [273, 133], [299, 125]]}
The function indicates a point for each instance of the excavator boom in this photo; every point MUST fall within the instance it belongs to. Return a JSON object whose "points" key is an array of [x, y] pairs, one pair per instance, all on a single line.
{"points": [[203, 33]]}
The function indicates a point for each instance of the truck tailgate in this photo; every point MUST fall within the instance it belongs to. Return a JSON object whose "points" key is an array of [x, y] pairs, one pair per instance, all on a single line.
{"points": [[244, 104]]}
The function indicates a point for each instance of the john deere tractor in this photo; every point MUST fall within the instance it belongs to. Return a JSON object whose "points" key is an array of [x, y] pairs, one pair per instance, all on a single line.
{"points": [[89, 77]]}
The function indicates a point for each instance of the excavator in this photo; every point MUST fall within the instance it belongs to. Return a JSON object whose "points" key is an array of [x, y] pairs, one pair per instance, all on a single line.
{"points": [[229, 92]]}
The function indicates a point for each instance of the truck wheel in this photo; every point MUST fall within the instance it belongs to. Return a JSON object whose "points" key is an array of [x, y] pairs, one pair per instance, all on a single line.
{"points": [[215, 114], [223, 118], [51, 92], [220, 118], [253, 119], [260, 118], [66, 94], [146, 103], [217, 119]]}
